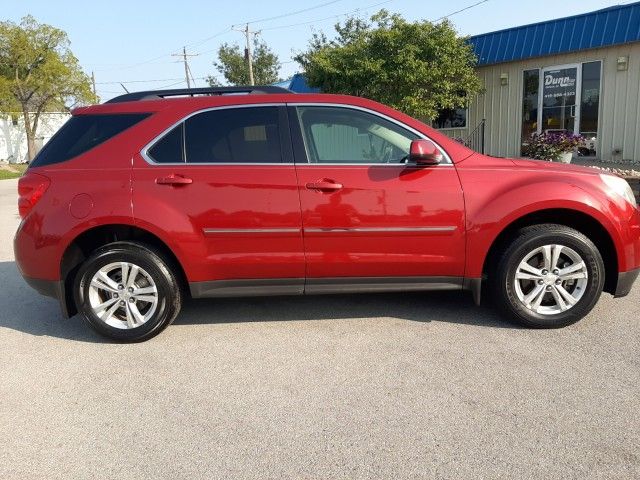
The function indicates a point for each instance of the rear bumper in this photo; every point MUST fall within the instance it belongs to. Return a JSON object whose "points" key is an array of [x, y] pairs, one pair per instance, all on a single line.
{"points": [[50, 288], [625, 282]]}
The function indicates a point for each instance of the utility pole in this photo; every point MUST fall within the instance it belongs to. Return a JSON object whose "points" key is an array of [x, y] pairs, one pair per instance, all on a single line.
{"points": [[93, 81], [247, 50], [184, 56]]}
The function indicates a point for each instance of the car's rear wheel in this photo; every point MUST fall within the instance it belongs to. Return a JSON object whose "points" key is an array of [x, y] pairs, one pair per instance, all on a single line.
{"points": [[127, 291], [549, 276]]}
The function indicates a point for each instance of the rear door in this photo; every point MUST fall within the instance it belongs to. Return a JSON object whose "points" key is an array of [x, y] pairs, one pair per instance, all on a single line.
{"points": [[221, 185], [367, 215]]}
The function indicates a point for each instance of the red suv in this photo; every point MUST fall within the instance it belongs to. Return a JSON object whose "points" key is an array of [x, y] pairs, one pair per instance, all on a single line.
{"points": [[153, 197]]}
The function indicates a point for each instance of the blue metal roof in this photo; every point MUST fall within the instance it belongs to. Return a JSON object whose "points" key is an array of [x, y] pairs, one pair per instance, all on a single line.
{"points": [[602, 28], [297, 84]]}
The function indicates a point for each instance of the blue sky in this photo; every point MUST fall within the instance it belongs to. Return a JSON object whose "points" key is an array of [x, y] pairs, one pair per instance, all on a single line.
{"points": [[125, 41]]}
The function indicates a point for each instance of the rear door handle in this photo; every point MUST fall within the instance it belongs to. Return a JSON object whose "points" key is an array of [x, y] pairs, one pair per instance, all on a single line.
{"points": [[324, 185], [175, 180]]}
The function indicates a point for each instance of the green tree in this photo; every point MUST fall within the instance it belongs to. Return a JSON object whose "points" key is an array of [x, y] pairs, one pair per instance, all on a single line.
{"points": [[232, 64], [416, 67], [38, 73]]}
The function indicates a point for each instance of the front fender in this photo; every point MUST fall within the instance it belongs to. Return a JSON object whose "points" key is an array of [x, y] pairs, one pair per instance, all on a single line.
{"points": [[490, 216]]}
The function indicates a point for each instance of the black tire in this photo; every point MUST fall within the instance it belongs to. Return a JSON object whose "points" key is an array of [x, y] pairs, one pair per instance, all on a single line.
{"points": [[169, 294], [503, 283]]}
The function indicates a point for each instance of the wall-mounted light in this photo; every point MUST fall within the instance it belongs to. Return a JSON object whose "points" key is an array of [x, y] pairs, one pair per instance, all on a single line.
{"points": [[623, 64], [504, 79]]}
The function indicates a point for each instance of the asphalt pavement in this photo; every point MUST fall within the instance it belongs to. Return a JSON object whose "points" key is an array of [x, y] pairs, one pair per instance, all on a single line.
{"points": [[420, 385]]}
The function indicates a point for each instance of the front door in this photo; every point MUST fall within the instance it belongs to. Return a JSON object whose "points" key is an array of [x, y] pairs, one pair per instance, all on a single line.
{"points": [[365, 211], [222, 184], [559, 108]]}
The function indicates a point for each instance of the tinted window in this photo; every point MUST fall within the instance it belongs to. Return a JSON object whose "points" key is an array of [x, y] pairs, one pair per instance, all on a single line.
{"points": [[236, 135], [169, 149], [343, 135], [83, 132]]}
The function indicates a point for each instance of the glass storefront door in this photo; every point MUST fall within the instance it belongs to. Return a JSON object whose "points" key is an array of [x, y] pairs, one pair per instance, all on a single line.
{"points": [[559, 109], [563, 98]]}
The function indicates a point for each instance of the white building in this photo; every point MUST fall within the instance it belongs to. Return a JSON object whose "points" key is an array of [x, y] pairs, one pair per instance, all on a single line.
{"points": [[13, 137]]}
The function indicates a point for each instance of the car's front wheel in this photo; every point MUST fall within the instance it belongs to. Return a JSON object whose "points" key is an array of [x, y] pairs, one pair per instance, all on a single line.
{"points": [[127, 291], [549, 276]]}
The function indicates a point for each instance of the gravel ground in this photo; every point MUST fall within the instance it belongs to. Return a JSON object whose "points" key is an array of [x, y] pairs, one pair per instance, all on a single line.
{"points": [[359, 386]]}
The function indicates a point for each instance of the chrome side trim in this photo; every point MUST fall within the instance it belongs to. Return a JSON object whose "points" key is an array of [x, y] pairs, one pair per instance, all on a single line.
{"points": [[214, 231], [447, 228]]}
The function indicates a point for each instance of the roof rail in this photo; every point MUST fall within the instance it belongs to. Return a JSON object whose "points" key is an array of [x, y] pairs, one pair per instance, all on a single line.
{"points": [[192, 92]]}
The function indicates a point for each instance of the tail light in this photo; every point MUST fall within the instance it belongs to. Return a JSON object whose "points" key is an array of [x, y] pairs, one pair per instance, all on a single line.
{"points": [[31, 187]]}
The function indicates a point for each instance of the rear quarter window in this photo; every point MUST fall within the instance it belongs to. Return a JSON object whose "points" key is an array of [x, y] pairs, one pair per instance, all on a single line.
{"points": [[82, 133]]}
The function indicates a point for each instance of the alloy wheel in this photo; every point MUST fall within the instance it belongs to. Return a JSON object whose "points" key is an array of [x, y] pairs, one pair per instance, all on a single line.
{"points": [[551, 279], [123, 295]]}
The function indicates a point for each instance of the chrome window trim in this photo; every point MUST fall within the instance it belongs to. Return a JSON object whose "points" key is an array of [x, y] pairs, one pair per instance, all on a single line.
{"points": [[144, 151], [145, 155], [380, 115]]}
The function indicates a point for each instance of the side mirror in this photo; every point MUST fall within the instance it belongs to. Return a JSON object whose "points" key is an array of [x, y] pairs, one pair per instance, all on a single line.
{"points": [[424, 152]]}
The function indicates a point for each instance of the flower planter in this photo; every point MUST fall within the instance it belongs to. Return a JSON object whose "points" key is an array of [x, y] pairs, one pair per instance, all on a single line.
{"points": [[559, 146], [565, 157]]}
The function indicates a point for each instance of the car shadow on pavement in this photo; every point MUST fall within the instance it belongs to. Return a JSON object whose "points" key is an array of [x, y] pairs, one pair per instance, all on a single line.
{"points": [[23, 309], [451, 307]]}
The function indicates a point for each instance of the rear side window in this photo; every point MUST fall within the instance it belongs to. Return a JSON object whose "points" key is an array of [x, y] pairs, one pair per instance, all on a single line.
{"points": [[170, 148], [82, 133], [228, 135]]}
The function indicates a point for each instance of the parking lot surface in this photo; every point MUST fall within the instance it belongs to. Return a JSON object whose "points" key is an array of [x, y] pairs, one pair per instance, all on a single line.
{"points": [[421, 385]]}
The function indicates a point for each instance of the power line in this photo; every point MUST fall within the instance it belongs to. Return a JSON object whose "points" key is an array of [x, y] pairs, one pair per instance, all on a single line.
{"points": [[139, 81], [189, 76], [461, 10], [204, 40], [170, 85], [357, 10], [229, 29], [291, 13]]}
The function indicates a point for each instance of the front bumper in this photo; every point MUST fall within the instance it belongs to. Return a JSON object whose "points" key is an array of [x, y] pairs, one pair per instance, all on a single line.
{"points": [[625, 282]]}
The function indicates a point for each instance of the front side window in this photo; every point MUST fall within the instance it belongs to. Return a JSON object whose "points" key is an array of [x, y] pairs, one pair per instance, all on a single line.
{"points": [[344, 135], [227, 135]]}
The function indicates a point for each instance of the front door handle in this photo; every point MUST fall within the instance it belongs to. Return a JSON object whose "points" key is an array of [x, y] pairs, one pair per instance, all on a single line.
{"points": [[175, 180], [324, 185]]}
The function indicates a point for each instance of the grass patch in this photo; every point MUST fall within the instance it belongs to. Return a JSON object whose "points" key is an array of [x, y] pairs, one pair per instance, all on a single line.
{"points": [[12, 171]]}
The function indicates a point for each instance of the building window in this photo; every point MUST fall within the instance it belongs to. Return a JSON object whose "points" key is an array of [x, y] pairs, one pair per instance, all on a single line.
{"points": [[530, 82], [589, 106], [451, 118]]}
